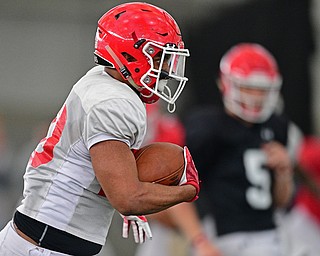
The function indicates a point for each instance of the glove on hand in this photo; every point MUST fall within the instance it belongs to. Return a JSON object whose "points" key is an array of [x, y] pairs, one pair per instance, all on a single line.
{"points": [[140, 227], [190, 174]]}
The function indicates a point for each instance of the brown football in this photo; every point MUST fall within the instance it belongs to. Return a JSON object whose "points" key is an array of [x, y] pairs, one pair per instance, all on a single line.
{"points": [[160, 162]]}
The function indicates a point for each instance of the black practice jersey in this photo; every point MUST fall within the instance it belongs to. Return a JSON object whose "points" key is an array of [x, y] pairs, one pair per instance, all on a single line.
{"points": [[236, 185]]}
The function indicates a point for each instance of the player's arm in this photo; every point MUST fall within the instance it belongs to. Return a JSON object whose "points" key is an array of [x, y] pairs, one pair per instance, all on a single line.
{"points": [[308, 161], [278, 160], [115, 168], [185, 217]]}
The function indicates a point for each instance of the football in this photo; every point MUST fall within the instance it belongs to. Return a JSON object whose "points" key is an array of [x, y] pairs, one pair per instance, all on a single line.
{"points": [[160, 162]]}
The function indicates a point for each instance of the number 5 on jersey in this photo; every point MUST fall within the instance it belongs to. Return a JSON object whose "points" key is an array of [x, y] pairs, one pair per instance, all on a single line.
{"points": [[259, 194]]}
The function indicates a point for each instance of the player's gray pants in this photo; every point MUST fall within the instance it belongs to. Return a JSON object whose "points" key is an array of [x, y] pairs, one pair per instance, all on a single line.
{"points": [[262, 243], [11, 244]]}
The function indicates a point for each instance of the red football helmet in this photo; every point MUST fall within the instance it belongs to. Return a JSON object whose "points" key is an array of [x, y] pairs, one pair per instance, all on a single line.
{"points": [[132, 37], [250, 82]]}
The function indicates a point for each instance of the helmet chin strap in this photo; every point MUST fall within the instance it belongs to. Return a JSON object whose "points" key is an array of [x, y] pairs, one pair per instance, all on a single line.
{"points": [[122, 68], [171, 107]]}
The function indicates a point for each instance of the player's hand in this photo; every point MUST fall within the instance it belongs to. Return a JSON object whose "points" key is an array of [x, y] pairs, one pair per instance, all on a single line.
{"points": [[190, 174], [207, 249], [277, 157], [204, 247], [140, 227]]}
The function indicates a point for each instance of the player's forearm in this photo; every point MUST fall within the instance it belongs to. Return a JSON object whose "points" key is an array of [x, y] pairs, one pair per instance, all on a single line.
{"points": [[151, 198], [283, 188]]}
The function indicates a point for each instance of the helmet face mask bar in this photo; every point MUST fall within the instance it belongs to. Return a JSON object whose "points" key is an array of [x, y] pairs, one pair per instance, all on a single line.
{"points": [[169, 73]]}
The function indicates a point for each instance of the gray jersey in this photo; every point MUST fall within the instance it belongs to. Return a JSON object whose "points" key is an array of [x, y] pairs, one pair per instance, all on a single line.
{"points": [[60, 187]]}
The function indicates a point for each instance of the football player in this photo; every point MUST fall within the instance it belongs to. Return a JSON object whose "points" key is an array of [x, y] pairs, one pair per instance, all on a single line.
{"points": [[246, 153], [84, 169]]}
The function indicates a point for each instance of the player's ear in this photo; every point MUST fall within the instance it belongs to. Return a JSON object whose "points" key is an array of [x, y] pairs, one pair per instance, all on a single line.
{"points": [[220, 85]]}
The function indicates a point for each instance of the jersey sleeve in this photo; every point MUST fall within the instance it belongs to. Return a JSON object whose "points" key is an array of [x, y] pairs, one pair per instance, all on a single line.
{"points": [[295, 138], [115, 119]]}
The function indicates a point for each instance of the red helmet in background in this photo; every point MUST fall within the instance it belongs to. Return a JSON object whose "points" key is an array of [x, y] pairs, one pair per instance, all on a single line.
{"points": [[130, 36], [250, 82]]}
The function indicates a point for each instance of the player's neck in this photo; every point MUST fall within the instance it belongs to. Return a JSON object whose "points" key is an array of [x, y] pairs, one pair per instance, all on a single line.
{"points": [[244, 122]]}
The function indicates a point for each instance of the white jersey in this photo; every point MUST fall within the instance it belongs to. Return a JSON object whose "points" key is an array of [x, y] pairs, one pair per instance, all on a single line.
{"points": [[60, 187]]}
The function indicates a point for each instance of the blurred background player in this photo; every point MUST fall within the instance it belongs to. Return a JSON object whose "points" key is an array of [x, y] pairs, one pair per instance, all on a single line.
{"points": [[245, 154], [84, 169]]}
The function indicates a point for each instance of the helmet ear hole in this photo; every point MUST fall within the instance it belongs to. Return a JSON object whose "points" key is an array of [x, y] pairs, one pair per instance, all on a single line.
{"points": [[128, 57]]}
